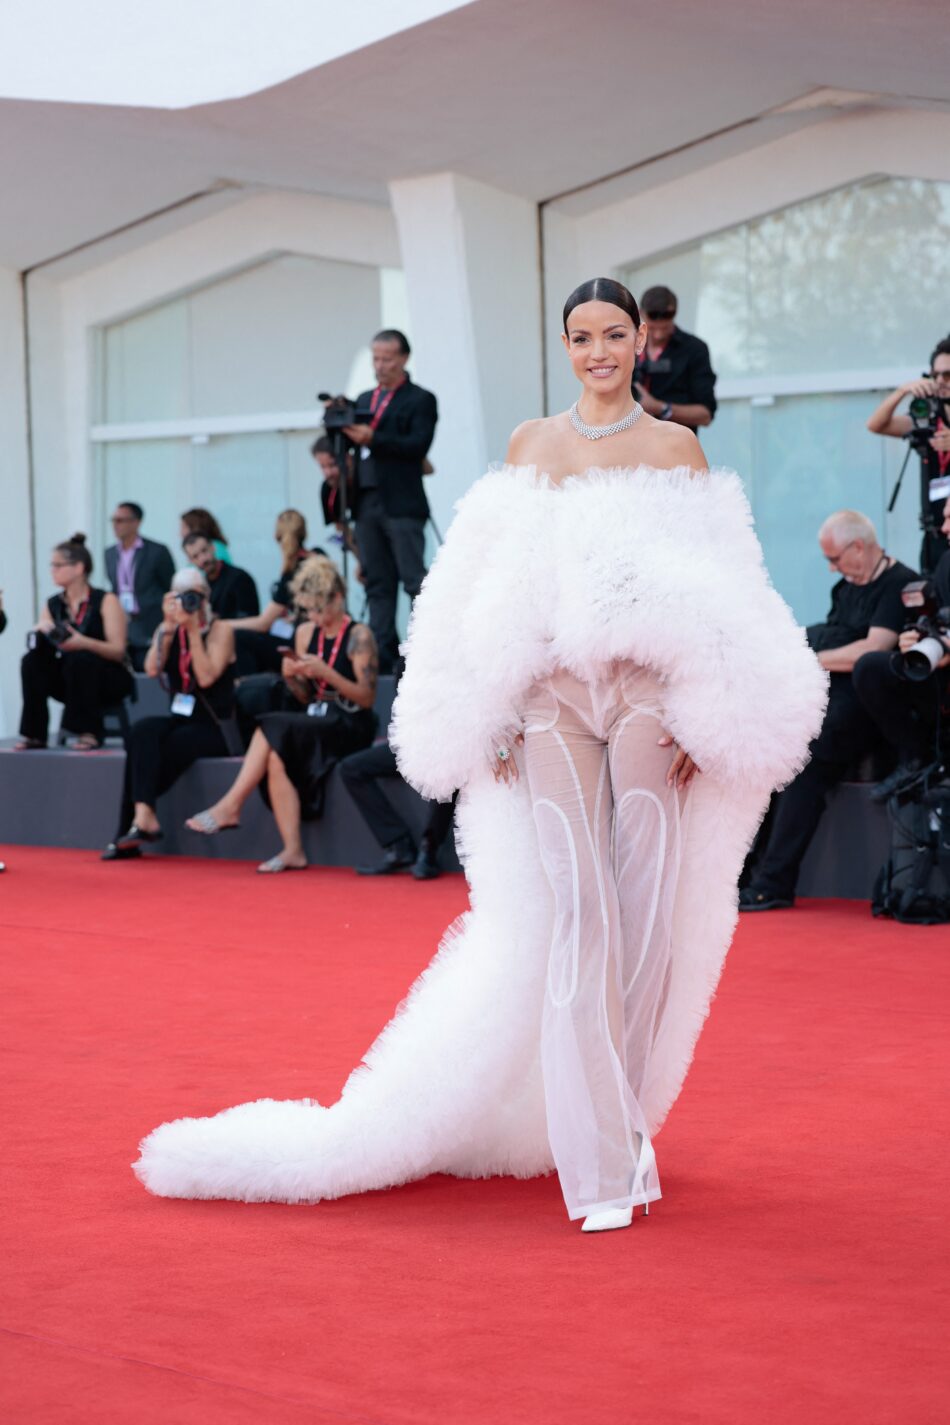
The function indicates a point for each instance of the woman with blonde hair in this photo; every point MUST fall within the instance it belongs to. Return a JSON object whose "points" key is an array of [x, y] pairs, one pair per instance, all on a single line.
{"points": [[259, 638], [330, 670]]}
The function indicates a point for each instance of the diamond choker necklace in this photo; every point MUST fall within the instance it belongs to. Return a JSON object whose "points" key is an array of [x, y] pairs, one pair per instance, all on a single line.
{"points": [[598, 432]]}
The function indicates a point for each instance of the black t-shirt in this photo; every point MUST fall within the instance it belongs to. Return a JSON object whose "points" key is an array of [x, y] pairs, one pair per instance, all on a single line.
{"points": [[942, 579], [234, 593], [855, 608], [682, 374]]}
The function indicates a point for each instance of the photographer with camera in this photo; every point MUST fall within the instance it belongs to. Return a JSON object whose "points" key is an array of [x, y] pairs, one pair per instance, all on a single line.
{"points": [[927, 428], [76, 654], [392, 428], [907, 694], [866, 616], [192, 653]]}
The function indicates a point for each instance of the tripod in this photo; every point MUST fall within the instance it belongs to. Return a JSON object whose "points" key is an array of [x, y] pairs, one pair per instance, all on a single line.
{"points": [[932, 545]]}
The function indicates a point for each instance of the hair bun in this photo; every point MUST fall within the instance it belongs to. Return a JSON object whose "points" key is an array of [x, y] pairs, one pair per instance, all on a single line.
{"points": [[77, 539]]}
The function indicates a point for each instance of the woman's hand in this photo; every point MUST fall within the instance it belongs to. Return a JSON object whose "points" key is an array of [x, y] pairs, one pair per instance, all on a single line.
{"points": [[941, 441], [76, 642], [313, 667], [682, 769], [505, 769]]}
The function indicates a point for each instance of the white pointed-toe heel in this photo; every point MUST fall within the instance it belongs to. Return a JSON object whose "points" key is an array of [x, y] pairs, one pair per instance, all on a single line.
{"points": [[613, 1217]]}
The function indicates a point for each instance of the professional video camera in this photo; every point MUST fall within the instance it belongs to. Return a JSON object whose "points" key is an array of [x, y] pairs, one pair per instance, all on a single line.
{"points": [[341, 412], [925, 412], [932, 622]]}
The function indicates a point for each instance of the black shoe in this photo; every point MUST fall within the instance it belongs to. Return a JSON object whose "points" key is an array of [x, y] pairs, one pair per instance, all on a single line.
{"points": [[752, 899], [396, 858], [426, 866], [120, 853], [902, 776], [136, 837]]}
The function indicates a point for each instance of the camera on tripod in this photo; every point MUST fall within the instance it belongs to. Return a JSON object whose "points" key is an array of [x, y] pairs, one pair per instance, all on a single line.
{"points": [[932, 622], [341, 412], [925, 412]]}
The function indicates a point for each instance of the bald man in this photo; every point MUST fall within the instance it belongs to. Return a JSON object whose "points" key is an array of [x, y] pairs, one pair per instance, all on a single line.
{"points": [[866, 616]]}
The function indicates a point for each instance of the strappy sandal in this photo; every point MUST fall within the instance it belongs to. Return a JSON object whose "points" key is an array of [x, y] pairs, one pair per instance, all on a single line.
{"points": [[29, 744], [85, 742], [207, 825], [275, 865]]}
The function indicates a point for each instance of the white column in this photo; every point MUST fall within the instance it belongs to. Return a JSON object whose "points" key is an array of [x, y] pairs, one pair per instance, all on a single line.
{"points": [[470, 255], [16, 543]]}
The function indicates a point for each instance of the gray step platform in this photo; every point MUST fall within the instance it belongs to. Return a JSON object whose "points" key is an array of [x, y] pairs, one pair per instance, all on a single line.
{"points": [[60, 798]]}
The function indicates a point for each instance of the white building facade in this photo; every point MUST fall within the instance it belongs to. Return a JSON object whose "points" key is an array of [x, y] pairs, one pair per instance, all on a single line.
{"points": [[169, 351]]}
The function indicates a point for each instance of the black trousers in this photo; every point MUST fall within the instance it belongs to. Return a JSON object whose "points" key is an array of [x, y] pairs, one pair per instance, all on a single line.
{"points": [[362, 773], [83, 682], [847, 734], [392, 552], [160, 749], [907, 714]]}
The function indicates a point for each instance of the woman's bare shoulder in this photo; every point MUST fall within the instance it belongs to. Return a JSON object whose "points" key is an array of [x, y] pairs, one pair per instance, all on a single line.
{"points": [[677, 445], [530, 440]]}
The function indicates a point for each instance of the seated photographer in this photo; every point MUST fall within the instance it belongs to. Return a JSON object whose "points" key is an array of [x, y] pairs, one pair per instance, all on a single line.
{"points": [[259, 638], [866, 616], [331, 673], [233, 591], [76, 654], [362, 773], [192, 653], [909, 704], [928, 424]]}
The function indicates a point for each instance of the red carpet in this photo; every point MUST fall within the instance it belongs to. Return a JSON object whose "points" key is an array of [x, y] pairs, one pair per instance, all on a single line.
{"points": [[796, 1268]]}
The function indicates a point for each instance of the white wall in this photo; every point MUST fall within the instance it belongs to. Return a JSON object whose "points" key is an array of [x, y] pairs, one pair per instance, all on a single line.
{"points": [[16, 564]]}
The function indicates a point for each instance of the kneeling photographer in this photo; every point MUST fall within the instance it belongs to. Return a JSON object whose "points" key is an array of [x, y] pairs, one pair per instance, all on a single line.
{"points": [[907, 693], [926, 428], [76, 654], [192, 653]]}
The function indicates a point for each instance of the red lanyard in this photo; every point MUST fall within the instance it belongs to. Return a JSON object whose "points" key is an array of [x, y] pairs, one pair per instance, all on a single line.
{"points": [[83, 607], [337, 644], [379, 403], [184, 660]]}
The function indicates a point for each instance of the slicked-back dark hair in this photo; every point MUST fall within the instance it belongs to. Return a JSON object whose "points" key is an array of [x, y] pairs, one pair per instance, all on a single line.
{"points": [[393, 334], [603, 289], [137, 512]]}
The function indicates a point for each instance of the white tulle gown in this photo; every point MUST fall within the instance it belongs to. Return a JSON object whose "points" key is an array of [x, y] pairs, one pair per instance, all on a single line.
{"points": [[556, 1023]]}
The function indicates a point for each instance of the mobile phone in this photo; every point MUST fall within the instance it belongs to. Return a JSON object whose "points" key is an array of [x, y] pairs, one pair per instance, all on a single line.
{"points": [[288, 652]]}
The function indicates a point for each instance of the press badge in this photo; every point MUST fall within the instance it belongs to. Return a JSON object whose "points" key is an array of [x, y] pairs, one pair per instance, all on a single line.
{"points": [[183, 704], [282, 628], [127, 600], [317, 709], [365, 452]]}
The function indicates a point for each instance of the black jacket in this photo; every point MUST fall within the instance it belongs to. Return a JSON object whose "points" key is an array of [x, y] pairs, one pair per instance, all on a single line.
{"points": [[399, 447], [681, 375], [152, 574]]}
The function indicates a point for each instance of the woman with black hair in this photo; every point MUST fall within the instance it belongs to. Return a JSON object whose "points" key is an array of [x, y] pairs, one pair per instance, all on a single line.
{"points": [[77, 654], [571, 667]]}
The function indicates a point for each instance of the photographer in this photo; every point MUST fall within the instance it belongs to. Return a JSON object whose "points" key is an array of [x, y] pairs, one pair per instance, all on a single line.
{"points": [[389, 502], [233, 591], [76, 654], [193, 654], [909, 711], [673, 378], [933, 446], [331, 673], [332, 503], [866, 616]]}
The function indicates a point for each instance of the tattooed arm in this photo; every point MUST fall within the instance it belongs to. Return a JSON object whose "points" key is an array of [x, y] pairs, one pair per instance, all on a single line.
{"points": [[361, 647]]}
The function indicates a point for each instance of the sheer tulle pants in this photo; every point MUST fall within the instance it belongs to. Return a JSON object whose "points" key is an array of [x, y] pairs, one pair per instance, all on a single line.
{"points": [[609, 831]]}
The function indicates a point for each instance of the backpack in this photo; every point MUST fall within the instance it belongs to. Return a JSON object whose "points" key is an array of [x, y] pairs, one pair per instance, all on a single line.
{"points": [[913, 885]]}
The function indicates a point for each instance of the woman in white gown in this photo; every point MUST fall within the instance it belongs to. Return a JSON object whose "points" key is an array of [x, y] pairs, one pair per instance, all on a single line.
{"points": [[598, 659]]}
